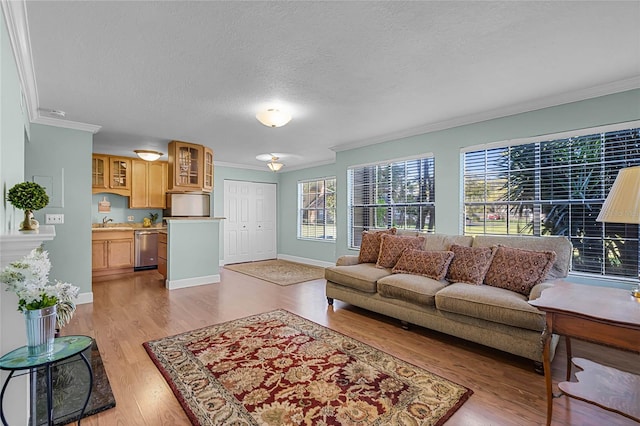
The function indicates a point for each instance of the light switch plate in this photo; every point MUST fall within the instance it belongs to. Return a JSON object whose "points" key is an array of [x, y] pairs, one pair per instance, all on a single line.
{"points": [[54, 219]]}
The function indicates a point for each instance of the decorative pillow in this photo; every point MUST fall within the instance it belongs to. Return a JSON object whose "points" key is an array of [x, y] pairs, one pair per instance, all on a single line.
{"points": [[519, 270], [469, 264], [392, 246], [370, 245], [432, 264]]}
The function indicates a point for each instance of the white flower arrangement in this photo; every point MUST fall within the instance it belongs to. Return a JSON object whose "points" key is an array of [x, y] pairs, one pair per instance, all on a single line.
{"points": [[29, 280]]}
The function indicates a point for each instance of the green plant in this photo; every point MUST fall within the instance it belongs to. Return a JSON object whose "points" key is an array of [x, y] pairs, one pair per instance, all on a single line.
{"points": [[154, 217], [28, 196]]}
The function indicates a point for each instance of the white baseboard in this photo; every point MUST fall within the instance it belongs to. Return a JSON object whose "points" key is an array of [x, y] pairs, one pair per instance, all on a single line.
{"points": [[192, 282], [84, 298], [305, 260]]}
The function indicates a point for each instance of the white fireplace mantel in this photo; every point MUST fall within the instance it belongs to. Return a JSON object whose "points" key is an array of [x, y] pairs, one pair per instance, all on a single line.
{"points": [[14, 245]]}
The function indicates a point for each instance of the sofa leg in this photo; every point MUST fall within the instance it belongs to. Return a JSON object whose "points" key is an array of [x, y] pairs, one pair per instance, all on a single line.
{"points": [[405, 325], [538, 367], [330, 301]]}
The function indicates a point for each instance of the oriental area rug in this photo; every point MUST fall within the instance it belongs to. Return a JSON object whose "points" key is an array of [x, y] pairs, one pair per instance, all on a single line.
{"points": [[281, 272], [277, 368]]}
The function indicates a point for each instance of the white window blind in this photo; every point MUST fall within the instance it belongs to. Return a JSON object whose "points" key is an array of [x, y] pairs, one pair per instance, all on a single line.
{"points": [[399, 194], [317, 209], [556, 187]]}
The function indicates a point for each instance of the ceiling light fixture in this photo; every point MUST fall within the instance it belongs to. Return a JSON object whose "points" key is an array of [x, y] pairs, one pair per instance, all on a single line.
{"points": [[273, 117], [148, 155], [274, 165]]}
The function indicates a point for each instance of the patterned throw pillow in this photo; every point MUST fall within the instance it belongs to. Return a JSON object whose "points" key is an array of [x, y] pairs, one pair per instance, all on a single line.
{"points": [[370, 245], [469, 264], [392, 246], [519, 270], [432, 264]]}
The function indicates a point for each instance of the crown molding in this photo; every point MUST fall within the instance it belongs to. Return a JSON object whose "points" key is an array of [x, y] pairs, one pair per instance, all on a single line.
{"points": [[15, 16], [56, 122], [536, 104]]}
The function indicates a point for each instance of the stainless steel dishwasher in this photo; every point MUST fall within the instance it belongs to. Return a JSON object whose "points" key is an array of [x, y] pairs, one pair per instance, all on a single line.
{"points": [[146, 248]]}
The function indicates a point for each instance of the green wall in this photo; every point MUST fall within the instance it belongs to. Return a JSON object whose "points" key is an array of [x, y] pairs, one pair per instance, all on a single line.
{"points": [[64, 155]]}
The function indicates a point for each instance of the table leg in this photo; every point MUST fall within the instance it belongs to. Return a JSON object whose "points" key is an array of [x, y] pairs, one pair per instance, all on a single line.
{"points": [[49, 394], [86, 402], [546, 362], [4, 388], [569, 357]]}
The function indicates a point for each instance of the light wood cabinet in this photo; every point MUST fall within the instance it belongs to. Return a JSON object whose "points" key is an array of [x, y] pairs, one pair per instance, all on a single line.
{"points": [[148, 184], [190, 167], [111, 174], [162, 254], [207, 184], [112, 252]]}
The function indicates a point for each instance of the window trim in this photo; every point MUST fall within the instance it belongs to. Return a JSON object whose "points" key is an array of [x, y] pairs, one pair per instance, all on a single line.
{"points": [[299, 210]]}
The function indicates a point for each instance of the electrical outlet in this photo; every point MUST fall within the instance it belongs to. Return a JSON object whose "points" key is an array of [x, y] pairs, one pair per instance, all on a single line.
{"points": [[54, 219], [130, 218]]}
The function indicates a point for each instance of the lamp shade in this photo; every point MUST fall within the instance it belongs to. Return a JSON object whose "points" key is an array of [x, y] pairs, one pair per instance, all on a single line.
{"points": [[148, 155], [273, 117], [622, 205], [274, 165]]}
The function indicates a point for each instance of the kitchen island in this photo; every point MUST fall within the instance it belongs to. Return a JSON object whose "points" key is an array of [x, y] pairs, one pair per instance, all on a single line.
{"points": [[192, 252]]}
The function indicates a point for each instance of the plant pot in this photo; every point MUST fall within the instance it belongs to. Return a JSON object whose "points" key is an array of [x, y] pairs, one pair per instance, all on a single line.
{"points": [[28, 223], [41, 330]]}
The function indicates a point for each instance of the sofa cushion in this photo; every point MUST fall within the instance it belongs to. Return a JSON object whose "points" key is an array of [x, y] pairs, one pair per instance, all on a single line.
{"points": [[362, 276], [443, 242], [560, 245], [469, 264], [432, 264], [370, 245], [517, 269], [410, 288], [490, 303], [392, 246]]}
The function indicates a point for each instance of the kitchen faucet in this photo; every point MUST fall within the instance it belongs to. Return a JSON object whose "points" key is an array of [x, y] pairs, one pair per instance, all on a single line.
{"points": [[105, 220]]}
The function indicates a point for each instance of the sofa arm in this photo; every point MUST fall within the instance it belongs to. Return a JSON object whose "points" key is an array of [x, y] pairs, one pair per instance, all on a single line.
{"points": [[536, 290], [347, 260]]}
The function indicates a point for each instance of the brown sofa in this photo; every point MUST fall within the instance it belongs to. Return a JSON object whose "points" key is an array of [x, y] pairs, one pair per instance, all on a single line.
{"points": [[492, 316]]}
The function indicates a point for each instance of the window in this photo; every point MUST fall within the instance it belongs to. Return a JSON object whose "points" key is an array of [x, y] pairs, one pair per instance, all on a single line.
{"points": [[399, 193], [317, 209], [556, 187]]}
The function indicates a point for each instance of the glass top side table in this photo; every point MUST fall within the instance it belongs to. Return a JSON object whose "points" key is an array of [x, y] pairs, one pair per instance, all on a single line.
{"points": [[63, 348]]}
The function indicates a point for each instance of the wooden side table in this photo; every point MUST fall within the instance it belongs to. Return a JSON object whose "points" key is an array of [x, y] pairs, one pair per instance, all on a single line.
{"points": [[601, 315], [63, 349]]}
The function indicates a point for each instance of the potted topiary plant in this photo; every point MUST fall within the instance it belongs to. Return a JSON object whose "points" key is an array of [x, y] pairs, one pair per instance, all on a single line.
{"points": [[28, 196]]}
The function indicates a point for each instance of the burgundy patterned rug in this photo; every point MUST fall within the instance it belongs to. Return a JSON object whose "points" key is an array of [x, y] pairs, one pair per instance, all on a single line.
{"points": [[277, 368]]}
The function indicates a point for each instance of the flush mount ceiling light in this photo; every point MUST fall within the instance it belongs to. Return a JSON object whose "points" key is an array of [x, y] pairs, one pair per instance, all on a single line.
{"points": [[274, 165], [273, 117], [148, 155]]}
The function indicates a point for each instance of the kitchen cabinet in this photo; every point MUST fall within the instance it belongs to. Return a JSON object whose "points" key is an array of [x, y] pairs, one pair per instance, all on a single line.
{"points": [[188, 167], [111, 174], [162, 254], [148, 184], [112, 252], [207, 184]]}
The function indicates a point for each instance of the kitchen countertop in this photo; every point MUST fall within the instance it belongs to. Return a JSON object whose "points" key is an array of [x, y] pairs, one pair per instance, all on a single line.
{"points": [[130, 226]]}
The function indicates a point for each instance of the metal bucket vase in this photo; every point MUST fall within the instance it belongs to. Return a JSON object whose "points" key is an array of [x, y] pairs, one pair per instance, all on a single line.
{"points": [[41, 330]]}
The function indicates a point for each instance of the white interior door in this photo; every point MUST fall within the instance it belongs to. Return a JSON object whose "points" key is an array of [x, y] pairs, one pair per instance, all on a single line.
{"points": [[250, 225]]}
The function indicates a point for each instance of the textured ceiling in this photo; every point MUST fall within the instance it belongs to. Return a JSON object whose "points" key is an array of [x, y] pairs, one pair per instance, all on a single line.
{"points": [[351, 73]]}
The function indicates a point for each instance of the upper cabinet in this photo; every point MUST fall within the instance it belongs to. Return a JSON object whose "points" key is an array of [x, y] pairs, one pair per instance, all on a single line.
{"points": [[111, 174], [148, 184], [190, 167]]}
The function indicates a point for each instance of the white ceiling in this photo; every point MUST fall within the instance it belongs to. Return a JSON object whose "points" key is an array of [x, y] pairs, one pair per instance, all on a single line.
{"points": [[350, 73]]}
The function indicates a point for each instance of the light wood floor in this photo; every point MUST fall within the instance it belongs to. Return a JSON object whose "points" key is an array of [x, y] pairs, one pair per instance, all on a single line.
{"points": [[133, 308]]}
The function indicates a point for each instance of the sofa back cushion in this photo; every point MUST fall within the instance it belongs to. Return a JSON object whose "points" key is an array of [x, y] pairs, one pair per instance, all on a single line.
{"points": [[392, 246], [432, 264], [370, 245], [560, 245], [518, 270], [443, 242], [469, 264]]}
